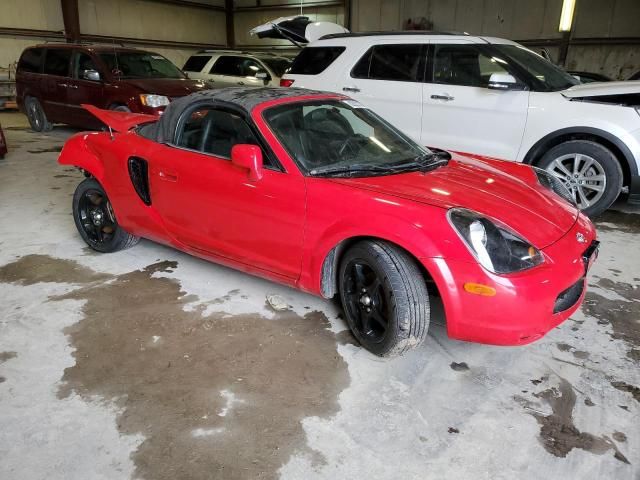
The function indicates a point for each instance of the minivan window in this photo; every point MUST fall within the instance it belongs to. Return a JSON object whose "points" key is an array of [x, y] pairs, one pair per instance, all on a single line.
{"points": [[56, 61], [314, 60], [397, 62], [140, 65], [464, 65], [196, 63], [31, 60], [81, 64]]}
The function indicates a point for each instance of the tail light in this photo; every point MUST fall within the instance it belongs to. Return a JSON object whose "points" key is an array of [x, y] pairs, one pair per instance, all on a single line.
{"points": [[286, 82]]}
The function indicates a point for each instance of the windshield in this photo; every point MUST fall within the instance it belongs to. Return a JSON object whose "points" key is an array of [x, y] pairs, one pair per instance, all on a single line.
{"points": [[548, 77], [327, 137], [277, 65], [140, 65]]}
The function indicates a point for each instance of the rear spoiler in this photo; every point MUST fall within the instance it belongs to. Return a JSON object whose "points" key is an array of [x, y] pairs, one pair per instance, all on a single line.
{"points": [[119, 121]]}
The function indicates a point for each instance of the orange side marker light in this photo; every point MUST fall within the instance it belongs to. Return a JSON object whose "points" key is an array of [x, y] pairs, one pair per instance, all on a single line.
{"points": [[479, 289]]}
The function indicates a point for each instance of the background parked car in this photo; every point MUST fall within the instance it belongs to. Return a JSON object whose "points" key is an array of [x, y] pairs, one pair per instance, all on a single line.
{"points": [[487, 96], [635, 76], [223, 68], [3, 144], [52, 80], [589, 77]]}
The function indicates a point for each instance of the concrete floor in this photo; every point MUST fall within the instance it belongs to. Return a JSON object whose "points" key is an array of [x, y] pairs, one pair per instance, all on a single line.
{"points": [[152, 364]]}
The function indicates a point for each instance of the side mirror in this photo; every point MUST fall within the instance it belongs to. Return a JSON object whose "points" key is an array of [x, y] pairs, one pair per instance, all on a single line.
{"points": [[92, 75], [504, 81], [264, 76], [248, 157]]}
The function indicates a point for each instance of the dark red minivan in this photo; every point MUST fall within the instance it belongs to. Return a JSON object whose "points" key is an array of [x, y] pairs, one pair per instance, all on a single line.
{"points": [[53, 80]]}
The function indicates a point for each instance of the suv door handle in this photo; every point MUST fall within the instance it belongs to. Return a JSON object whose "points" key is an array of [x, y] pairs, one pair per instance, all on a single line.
{"points": [[446, 97], [350, 89], [169, 177], [240, 83]]}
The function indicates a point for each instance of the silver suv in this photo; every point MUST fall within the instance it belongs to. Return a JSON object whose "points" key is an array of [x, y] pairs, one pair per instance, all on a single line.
{"points": [[223, 68]]}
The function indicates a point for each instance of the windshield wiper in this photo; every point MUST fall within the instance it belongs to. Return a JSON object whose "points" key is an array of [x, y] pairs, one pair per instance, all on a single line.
{"points": [[348, 170]]}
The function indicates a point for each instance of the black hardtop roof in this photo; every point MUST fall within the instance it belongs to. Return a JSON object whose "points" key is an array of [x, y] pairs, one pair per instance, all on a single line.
{"points": [[383, 33], [247, 98]]}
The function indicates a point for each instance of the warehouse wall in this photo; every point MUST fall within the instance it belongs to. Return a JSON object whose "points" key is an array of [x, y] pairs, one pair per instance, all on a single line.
{"points": [[139, 19], [32, 14]]}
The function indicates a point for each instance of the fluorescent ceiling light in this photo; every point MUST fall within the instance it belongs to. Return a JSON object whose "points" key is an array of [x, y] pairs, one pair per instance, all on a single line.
{"points": [[566, 17]]}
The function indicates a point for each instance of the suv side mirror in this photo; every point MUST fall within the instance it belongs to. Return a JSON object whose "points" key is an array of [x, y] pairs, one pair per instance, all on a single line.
{"points": [[92, 75], [504, 81], [248, 157], [264, 76]]}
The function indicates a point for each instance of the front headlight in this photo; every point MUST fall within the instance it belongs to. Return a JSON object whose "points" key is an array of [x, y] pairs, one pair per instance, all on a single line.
{"points": [[154, 101], [553, 183], [496, 247]]}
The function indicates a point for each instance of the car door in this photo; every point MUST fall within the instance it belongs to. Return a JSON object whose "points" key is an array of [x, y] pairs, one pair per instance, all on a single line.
{"points": [[55, 84], [387, 79], [461, 113], [85, 86], [213, 206]]}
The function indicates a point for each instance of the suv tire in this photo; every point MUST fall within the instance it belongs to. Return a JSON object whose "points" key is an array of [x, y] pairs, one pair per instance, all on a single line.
{"points": [[590, 171], [36, 116]]}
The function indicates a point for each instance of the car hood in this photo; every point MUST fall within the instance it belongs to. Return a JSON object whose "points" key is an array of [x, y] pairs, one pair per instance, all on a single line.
{"points": [[532, 211], [170, 87], [598, 89]]}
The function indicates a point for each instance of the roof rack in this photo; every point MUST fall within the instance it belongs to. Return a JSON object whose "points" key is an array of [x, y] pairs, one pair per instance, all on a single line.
{"points": [[80, 42], [401, 32]]}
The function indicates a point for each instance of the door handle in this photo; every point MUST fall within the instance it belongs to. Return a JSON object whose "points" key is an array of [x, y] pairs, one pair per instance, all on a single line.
{"points": [[63, 85], [169, 177], [350, 89], [446, 97], [240, 83]]}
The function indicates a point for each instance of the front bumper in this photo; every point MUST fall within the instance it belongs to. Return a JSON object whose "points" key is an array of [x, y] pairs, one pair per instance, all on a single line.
{"points": [[526, 305]]}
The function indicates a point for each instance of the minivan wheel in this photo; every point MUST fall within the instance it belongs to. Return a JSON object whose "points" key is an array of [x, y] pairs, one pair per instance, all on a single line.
{"points": [[120, 108], [384, 297], [589, 170], [96, 221], [35, 114]]}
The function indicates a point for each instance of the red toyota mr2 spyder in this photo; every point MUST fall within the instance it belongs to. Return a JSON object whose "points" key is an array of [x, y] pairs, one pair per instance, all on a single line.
{"points": [[315, 191]]}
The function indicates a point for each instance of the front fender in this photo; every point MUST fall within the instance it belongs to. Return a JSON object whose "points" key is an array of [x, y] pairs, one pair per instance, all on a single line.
{"points": [[416, 238], [77, 152]]}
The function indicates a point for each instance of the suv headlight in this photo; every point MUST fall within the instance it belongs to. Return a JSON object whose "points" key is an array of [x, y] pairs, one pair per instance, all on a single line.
{"points": [[497, 248], [154, 101], [553, 183]]}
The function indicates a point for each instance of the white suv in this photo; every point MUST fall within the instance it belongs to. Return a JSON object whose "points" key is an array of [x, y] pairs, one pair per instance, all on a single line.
{"points": [[491, 97], [224, 68]]}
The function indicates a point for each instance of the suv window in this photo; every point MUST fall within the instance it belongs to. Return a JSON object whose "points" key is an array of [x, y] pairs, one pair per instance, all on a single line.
{"points": [[464, 65], [56, 61], [196, 63], [31, 60], [314, 60], [214, 131], [404, 63], [81, 63], [236, 66]]}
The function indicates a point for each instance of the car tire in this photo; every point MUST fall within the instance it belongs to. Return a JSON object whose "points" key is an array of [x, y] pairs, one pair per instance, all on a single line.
{"points": [[384, 297], [120, 108], [36, 116], [95, 219], [574, 162]]}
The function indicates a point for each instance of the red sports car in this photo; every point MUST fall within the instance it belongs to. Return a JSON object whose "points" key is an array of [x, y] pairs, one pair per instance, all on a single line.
{"points": [[312, 190]]}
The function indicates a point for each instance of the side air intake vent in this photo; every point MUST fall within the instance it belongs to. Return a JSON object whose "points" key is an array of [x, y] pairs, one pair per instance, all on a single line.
{"points": [[139, 174]]}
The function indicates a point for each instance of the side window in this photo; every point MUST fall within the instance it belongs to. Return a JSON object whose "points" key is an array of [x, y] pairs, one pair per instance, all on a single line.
{"points": [[215, 131], [56, 61], [228, 65], [403, 63], [31, 60], [81, 64], [464, 65], [314, 60], [196, 63]]}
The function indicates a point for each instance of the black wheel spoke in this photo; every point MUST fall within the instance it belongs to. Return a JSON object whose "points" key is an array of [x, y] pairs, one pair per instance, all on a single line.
{"points": [[377, 317], [359, 275]]}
